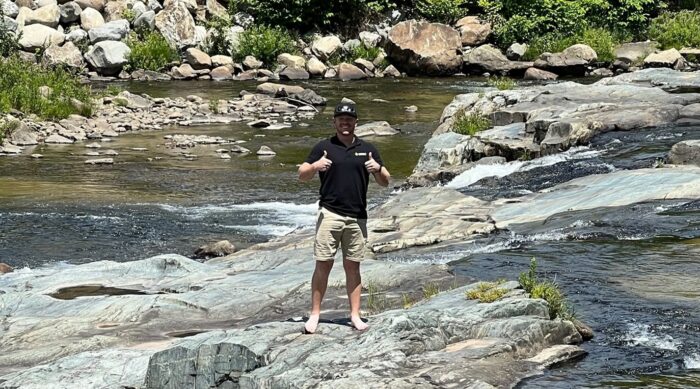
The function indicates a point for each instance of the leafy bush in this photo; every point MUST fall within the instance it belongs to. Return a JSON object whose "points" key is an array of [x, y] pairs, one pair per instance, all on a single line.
{"points": [[470, 124], [502, 83], [9, 42], [600, 40], [150, 52], [442, 11], [546, 290], [7, 127], [264, 43], [20, 84], [129, 14], [217, 42], [676, 29]]}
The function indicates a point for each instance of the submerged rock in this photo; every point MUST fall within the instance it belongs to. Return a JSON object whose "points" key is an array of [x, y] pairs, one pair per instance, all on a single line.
{"points": [[213, 250]]}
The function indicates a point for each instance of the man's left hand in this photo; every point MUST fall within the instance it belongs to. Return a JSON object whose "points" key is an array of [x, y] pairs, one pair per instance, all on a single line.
{"points": [[372, 166]]}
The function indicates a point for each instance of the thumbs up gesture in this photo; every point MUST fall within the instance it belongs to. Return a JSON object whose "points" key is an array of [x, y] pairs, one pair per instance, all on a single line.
{"points": [[371, 165], [323, 164]]}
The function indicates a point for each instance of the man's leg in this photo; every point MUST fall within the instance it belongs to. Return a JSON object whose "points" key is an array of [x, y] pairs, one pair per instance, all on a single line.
{"points": [[319, 283], [353, 283]]}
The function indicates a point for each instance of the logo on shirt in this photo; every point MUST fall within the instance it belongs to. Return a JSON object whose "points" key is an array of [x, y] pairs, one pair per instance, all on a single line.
{"points": [[360, 154]]}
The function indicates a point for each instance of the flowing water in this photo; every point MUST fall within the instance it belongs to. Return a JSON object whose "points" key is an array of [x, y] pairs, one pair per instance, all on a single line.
{"points": [[630, 272]]}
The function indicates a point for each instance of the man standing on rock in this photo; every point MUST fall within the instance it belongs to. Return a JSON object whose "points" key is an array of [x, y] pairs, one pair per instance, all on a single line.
{"points": [[344, 163]]}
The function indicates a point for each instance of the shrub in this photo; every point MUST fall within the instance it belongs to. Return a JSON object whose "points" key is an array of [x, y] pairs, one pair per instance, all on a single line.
{"points": [[9, 42], [443, 11], [363, 52], [487, 292], [150, 52], [600, 40], [470, 123], [20, 84], [264, 43], [6, 128], [430, 290], [676, 29], [502, 83], [546, 290], [217, 42], [129, 14]]}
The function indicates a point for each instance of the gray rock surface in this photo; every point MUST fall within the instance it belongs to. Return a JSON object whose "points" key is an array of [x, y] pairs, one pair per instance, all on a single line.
{"points": [[146, 20], [325, 47], [293, 73], [666, 58], [635, 52], [90, 18], [108, 57], [176, 25], [36, 36], [48, 15], [685, 153], [214, 250], [70, 12], [516, 51], [9, 8], [380, 128], [488, 58], [68, 55], [667, 79], [115, 30], [315, 67]]}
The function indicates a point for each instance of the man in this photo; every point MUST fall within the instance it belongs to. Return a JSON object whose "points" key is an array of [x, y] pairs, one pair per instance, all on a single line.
{"points": [[344, 163]]}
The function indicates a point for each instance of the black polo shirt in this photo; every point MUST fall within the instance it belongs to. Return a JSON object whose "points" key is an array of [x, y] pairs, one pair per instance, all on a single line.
{"points": [[344, 185]]}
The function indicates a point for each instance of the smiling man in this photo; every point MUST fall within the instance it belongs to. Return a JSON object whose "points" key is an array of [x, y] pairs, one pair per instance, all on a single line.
{"points": [[344, 163]]}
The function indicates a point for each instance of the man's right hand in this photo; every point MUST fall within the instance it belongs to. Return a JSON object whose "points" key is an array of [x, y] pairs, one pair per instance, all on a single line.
{"points": [[323, 164]]}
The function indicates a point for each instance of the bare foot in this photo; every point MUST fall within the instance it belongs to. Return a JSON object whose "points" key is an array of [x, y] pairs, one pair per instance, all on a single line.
{"points": [[311, 324], [358, 323]]}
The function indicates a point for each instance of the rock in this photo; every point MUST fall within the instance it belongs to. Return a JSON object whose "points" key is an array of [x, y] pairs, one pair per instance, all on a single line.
{"points": [[685, 153], [36, 36], [154, 5], [602, 72], [133, 101], [100, 161], [310, 97], [216, 9], [182, 72], [239, 149], [213, 250], [149, 75], [250, 62], [115, 30], [635, 52], [8, 148], [391, 71], [176, 25], [346, 100], [37, 156], [197, 59], [538, 74], [139, 8], [488, 58], [90, 18], [221, 73], [265, 151], [67, 55], [269, 88], [70, 12], [370, 39], [424, 48], [292, 73], [380, 128], [108, 57], [77, 36], [364, 64], [330, 73], [146, 21], [292, 61], [58, 139], [581, 51], [93, 145], [561, 64], [97, 5], [315, 67], [411, 108], [663, 78], [347, 72], [114, 9], [9, 24], [325, 47], [247, 75], [9, 8], [48, 15], [516, 51], [473, 30], [260, 123], [351, 45], [665, 58], [22, 136], [221, 60], [5, 268]]}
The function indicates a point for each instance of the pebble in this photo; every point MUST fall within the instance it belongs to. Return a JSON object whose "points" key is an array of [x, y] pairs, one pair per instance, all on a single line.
{"points": [[411, 108], [101, 161], [93, 145], [37, 156], [139, 149]]}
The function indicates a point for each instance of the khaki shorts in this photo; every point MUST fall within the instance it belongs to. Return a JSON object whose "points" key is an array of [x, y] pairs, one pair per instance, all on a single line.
{"points": [[333, 230]]}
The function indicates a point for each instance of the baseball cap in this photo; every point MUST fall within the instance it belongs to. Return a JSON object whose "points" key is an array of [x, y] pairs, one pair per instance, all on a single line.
{"points": [[345, 109]]}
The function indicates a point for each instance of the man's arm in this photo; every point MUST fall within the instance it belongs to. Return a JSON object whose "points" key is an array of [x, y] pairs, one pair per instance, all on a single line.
{"points": [[380, 173], [308, 170], [382, 176]]}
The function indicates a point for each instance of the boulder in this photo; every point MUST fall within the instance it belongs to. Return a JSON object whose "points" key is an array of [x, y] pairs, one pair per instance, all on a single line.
{"points": [[22, 136], [97, 5], [70, 12], [581, 51], [48, 15], [197, 59], [269, 88], [115, 30], [149, 75], [473, 30], [326, 46], [635, 52], [154, 5], [9, 23], [380, 128], [561, 64], [214, 250], [37, 36], [114, 9], [108, 57], [663, 59], [67, 55], [308, 96], [351, 45], [370, 39], [221, 60], [250, 62], [139, 8], [347, 72], [516, 51], [182, 72], [9, 8], [602, 72], [176, 25], [391, 71], [538, 74], [685, 153], [57, 139], [315, 67], [424, 48], [221, 73], [330, 73], [145, 21], [289, 60], [488, 58], [293, 73], [77, 36], [365, 65], [90, 18], [216, 9], [5, 268]]}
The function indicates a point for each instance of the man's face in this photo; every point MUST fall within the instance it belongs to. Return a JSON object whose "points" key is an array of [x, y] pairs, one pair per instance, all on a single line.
{"points": [[345, 124]]}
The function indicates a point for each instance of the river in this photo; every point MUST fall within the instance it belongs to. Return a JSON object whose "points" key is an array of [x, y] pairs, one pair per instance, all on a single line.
{"points": [[630, 272]]}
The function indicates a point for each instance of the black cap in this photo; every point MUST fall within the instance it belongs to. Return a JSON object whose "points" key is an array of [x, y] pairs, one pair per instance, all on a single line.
{"points": [[345, 109]]}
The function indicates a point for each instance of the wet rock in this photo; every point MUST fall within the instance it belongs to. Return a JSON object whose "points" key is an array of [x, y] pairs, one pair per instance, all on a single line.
{"points": [[36, 36], [265, 151], [221, 73], [685, 153], [197, 59], [37, 156], [292, 73], [93, 145], [22, 135], [391, 71], [176, 25], [108, 57], [347, 72], [90, 18], [473, 30], [424, 48], [665, 58], [380, 128], [182, 72], [330, 73], [325, 47], [411, 108], [516, 51], [538, 74], [239, 149], [8, 148], [100, 161], [214, 250], [70, 12], [58, 139], [5, 268]]}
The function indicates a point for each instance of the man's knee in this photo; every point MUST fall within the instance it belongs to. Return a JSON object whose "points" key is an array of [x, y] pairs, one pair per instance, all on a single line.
{"points": [[350, 265], [324, 267]]}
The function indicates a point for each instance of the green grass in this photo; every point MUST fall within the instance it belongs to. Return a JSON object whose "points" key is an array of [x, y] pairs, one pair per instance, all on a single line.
{"points": [[470, 123], [150, 52], [487, 292], [358, 52], [546, 290], [19, 89], [600, 40], [129, 14], [264, 43], [6, 128], [430, 290], [376, 301], [502, 83], [676, 29]]}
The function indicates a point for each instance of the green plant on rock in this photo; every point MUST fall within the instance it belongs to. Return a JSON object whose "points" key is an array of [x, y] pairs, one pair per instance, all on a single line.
{"points": [[264, 43], [364, 52], [603, 42], [676, 29], [9, 41], [7, 127], [129, 14], [24, 86], [502, 83], [376, 301], [217, 42], [430, 290], [487, 292], [442, 11], [470, 123], [150, 51], [546, 290]]}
